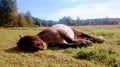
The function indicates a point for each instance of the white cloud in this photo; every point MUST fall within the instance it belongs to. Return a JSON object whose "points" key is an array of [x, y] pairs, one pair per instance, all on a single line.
{"points": [[71, 1], [91, 11]]}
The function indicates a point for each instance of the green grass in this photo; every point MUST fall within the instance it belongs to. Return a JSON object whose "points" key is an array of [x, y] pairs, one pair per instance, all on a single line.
{"points": [[98, 55]]}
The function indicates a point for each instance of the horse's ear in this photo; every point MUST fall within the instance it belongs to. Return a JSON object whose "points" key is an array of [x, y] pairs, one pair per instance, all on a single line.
{"points": [[20, 36]]}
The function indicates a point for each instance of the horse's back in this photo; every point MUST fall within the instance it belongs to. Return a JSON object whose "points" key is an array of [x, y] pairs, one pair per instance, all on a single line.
{"points": [[65, 29]]}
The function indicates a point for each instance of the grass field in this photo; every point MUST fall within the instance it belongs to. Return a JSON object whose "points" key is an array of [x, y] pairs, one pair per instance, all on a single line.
{"points": [[98, 55]]}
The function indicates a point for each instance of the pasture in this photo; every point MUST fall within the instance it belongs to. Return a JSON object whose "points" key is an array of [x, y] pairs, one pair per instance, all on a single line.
{"points": [[98, 55]]}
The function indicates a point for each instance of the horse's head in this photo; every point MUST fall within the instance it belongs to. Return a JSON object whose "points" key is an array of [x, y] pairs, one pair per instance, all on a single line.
{"points": [[31, 43]]}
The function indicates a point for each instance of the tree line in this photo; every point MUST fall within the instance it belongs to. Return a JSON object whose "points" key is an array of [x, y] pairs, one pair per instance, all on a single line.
{"points": [[77, 22], [9, 17]]}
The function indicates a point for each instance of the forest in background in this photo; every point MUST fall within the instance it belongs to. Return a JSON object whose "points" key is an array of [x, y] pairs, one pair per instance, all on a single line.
{"points": [[9, 17]]}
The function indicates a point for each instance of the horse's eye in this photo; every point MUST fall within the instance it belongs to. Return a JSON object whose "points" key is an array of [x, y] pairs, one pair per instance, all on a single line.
{"points": [[38, 45]]}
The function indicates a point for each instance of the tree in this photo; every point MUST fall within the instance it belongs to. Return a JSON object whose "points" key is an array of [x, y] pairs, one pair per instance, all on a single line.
{"points": [[70, 21], [67, 21], [29, 19], [78, 21], [8, 13], [37, 21], [22, 21]]}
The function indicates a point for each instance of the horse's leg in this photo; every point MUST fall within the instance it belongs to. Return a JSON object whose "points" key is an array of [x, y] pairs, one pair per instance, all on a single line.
{"points": [[77, 42], [81, 35]]}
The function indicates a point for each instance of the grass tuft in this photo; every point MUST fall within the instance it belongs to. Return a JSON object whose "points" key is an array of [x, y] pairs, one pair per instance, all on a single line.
{"points": [[102, 54]]}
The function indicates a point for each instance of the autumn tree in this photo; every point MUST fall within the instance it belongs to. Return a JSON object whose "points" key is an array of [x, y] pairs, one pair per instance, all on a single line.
{"points": [[29, 19], [22, 21], [8, 13]]}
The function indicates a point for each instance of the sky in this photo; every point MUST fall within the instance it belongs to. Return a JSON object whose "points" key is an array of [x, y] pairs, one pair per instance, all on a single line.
{"points": [[84, 9]]}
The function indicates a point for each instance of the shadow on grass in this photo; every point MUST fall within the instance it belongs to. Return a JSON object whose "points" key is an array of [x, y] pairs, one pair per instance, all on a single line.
{"points": [[17, 50], [65, 46], [62, 46]]}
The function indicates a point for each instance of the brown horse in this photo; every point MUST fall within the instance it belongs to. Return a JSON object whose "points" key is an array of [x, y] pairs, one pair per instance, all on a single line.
{"points": [[57, 35]]}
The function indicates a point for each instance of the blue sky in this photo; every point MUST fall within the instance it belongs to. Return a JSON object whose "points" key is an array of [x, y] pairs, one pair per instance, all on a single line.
{"points": [[56, 9]]}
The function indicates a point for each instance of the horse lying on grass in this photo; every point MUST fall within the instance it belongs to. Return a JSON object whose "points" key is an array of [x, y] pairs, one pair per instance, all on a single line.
{"points": [[57, 35]]}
